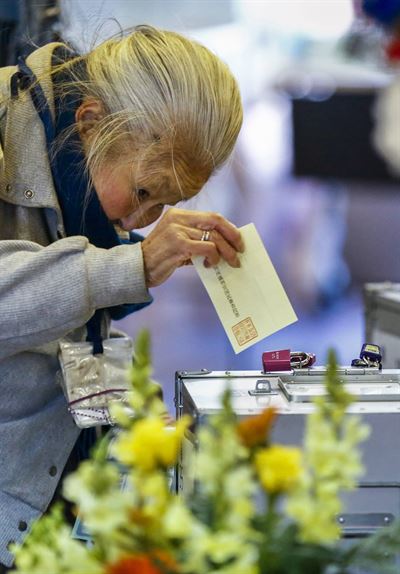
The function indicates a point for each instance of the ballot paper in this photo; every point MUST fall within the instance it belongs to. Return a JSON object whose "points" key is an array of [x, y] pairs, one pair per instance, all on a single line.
{"points": [[250, 301]]}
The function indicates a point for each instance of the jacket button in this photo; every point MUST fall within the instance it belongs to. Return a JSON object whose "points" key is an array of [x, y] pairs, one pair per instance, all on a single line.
{"points": [[52, 470], [22, 526], [29, 193], [8, 188]]}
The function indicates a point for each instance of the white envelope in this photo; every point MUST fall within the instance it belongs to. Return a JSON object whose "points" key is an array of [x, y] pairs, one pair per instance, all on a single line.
{"points": [[250, 301]]}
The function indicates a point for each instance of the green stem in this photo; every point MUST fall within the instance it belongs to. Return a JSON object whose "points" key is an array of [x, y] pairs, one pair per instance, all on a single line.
{"points": [[272, 515]]}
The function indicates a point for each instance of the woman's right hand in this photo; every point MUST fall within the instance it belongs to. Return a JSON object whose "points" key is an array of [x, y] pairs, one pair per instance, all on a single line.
{"points": [[178, 237]]}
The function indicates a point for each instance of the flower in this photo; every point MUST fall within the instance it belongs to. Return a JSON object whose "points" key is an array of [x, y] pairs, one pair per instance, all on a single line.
{"points": [[150, 444], [144, 564], [332, 464], [50, 549], [177, 520], [94, 489], [278, 468], [253, 431], [216, 525]]}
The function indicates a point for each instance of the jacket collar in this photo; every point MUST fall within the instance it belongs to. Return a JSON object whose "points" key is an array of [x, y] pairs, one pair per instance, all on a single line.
{"points": [[26, 168]]}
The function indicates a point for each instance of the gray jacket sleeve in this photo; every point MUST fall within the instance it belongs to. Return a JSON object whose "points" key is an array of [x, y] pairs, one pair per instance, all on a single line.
{"points": [[46, 292]]}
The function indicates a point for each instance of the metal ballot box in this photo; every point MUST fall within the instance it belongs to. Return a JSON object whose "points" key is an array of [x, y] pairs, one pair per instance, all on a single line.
{"points": [[376, 502], [382, 320]]}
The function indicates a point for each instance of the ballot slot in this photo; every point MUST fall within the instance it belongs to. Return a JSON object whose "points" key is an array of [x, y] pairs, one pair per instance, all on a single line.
{"points": [[364, 387]]}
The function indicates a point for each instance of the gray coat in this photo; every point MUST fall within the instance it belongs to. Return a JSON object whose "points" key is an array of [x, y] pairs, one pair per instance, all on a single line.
{"points": [[50, 285]]}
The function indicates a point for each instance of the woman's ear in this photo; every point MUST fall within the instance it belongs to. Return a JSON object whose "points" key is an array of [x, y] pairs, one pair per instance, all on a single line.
{"points": [[87, 115]]}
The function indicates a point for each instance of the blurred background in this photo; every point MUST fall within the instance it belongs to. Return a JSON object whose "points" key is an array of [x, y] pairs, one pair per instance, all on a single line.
{"points": [[305, 169]]}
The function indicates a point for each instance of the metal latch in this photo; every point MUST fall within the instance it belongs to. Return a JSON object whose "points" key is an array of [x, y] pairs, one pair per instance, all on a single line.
{"points": [[363, 524], [262, 388]]}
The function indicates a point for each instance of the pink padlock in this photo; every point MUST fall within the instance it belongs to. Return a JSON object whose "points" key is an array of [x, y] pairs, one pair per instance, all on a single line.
{"points": [[276, 360]]}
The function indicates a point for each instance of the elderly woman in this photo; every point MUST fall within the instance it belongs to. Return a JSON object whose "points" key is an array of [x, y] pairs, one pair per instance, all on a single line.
{"points": [[93, 147]]}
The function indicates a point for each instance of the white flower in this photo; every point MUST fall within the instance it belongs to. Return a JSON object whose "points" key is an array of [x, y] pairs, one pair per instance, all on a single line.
{"points": [[63, 555], [177, 521]]}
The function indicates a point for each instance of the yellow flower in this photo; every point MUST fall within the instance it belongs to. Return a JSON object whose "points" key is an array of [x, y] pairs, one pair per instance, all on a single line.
{"points": [[149, 444], [278, 468]]}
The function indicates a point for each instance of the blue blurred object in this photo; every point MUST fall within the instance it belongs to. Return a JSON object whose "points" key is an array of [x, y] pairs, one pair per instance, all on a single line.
{"points": [[9, 10], [387, 12]]}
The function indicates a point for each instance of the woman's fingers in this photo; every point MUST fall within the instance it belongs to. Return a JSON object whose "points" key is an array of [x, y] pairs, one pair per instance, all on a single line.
{"points": [[208, 220], [213, 245], [181, 235]]}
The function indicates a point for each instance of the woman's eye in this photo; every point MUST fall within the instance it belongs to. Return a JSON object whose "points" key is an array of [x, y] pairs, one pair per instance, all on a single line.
{"points": [[142, 194]]}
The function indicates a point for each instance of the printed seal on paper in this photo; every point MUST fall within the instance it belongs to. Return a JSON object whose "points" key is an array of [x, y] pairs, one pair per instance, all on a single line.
{"points": [[244, 331]]}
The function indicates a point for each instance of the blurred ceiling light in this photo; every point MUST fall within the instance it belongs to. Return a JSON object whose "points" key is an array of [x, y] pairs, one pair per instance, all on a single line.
{"points": [[314, 19]]}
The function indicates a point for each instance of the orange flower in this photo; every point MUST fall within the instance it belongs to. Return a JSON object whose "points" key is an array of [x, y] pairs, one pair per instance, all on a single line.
{"points": [[158, 562], [138, 564], [165, 561], [254, 431]]}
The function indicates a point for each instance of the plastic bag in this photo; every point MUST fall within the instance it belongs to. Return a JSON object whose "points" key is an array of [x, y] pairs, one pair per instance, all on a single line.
{"points": [[92, 382]]}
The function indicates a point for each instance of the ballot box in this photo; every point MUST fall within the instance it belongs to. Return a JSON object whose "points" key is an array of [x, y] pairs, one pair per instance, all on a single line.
{"points": [[376, 501], [382, 320]]}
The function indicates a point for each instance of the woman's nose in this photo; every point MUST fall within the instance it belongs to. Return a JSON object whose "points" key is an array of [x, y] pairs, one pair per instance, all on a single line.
{"points": [[138, 220]]}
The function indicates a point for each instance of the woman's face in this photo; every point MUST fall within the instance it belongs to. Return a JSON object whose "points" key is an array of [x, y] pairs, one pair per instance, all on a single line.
{"points": [[126, 197], [133, 201]]}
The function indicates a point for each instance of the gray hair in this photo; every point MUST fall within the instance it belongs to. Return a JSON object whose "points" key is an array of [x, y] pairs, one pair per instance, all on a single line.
{"points": [[170, 96]]}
